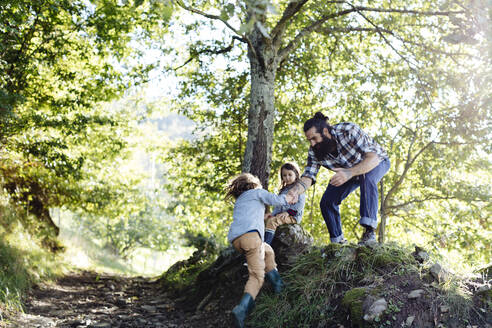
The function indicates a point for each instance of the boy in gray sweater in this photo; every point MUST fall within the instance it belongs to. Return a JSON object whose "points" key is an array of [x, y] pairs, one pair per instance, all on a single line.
{"points": [[246, 235]]}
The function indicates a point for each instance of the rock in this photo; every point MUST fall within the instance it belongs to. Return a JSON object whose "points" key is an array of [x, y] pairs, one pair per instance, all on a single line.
{"points": [[28, 320], [290, 241], [415, 293], [149, 308], [439, 273], [483, 290], [346, 254], [102, 325], [371, 244], [409, 321], [120, 302], [375, 310], [420, 255]]}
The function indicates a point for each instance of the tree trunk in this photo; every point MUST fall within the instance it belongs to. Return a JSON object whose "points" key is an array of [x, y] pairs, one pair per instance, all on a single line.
{"points": [[258, 152]]}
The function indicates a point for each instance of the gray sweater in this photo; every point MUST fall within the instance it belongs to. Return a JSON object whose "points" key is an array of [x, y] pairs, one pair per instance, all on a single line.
{"points": [[298, 207], [249, 212]]}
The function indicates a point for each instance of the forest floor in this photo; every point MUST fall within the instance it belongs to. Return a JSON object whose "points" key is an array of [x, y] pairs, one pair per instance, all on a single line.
{"points": [[340, 283], [88, 299]]}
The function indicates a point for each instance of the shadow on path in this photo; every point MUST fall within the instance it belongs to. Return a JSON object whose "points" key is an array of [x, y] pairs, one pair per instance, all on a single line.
{"points": [[88, 299]]}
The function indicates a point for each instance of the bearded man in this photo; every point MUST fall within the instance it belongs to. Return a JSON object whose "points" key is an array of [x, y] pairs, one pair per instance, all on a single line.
{"points": [[357, 160]]}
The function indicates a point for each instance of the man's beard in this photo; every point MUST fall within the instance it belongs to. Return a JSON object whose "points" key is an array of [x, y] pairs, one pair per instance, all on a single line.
{"points": [[325, 147]]}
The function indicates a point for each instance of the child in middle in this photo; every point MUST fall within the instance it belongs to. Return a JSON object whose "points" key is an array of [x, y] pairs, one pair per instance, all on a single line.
{"points": [[285, 214]]}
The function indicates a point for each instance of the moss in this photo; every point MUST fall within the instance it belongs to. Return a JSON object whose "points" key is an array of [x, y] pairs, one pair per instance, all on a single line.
{"points": [[384, 256], [352, 301], [184, 273]]}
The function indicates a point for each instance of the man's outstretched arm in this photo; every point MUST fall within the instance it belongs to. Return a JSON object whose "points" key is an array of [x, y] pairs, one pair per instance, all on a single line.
{"points": [[299, 188]]}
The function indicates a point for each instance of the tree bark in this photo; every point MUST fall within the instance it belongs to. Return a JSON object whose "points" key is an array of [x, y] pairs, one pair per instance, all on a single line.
{"points": [[263, 63]]}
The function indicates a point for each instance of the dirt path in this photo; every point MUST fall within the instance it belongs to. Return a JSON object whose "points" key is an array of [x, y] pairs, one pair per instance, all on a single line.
{"points": [[87, 299]]}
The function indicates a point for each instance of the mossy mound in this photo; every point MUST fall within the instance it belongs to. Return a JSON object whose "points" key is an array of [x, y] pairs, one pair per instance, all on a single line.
{"points": [[336, 286]]}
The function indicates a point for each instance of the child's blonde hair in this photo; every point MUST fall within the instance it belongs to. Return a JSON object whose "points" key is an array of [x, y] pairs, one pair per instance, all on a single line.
{"points": [[291, 166], [241, 183]]}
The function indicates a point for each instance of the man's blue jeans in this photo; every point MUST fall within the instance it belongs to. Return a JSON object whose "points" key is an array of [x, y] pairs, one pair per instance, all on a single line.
{"points": [[333, 197]]}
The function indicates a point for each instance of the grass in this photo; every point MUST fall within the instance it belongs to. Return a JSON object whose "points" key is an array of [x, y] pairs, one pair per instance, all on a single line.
{"points": [[23, 263], [329, 284], [14, 277]]}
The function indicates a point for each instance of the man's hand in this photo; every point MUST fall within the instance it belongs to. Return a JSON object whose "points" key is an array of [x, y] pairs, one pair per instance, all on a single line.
{"points": [[292, 197], [267, 215], [341, 176]]}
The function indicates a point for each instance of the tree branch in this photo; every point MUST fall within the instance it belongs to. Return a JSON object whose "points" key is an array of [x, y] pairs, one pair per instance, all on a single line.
{"points": [[214, 17], [408, 164], [406, 11], [242, 38], [414, 224], [209, 51], [434, 50], [353, 29], [432, 197], [391, 45], [278, 31], [309, 29]]}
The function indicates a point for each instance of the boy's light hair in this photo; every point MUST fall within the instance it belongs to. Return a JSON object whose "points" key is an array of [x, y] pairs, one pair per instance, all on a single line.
{"points": [[241, 183]]}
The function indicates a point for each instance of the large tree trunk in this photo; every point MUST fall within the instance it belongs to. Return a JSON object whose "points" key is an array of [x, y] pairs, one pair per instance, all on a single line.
{"points": [[258, 153]]}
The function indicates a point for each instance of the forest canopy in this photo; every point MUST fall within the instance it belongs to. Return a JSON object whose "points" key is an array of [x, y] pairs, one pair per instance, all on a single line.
{"points": [[415, 75]]}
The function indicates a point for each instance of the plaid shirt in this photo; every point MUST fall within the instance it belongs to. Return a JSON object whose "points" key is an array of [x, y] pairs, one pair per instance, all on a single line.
{"points": [[352, 144]]}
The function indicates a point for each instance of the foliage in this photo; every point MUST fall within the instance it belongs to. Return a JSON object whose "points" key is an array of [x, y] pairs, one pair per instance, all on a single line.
{"points": [[126, 209], [62, 59], [417, 83]]}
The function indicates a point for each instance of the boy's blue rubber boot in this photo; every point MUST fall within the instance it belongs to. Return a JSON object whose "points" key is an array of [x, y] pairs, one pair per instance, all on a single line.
{"points": [[241, 310], [274, 278]]}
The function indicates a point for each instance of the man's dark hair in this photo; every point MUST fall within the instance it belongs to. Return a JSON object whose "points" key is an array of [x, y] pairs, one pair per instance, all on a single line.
{"points": [[319, 121]]}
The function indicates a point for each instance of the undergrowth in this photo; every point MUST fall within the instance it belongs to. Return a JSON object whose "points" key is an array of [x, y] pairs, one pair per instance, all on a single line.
{"points": [[22, 264], [328, 285], [183, 274]]}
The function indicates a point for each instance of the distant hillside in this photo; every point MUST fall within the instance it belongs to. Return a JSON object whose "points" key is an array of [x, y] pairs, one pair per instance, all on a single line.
{"points": [[175, 126]]}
